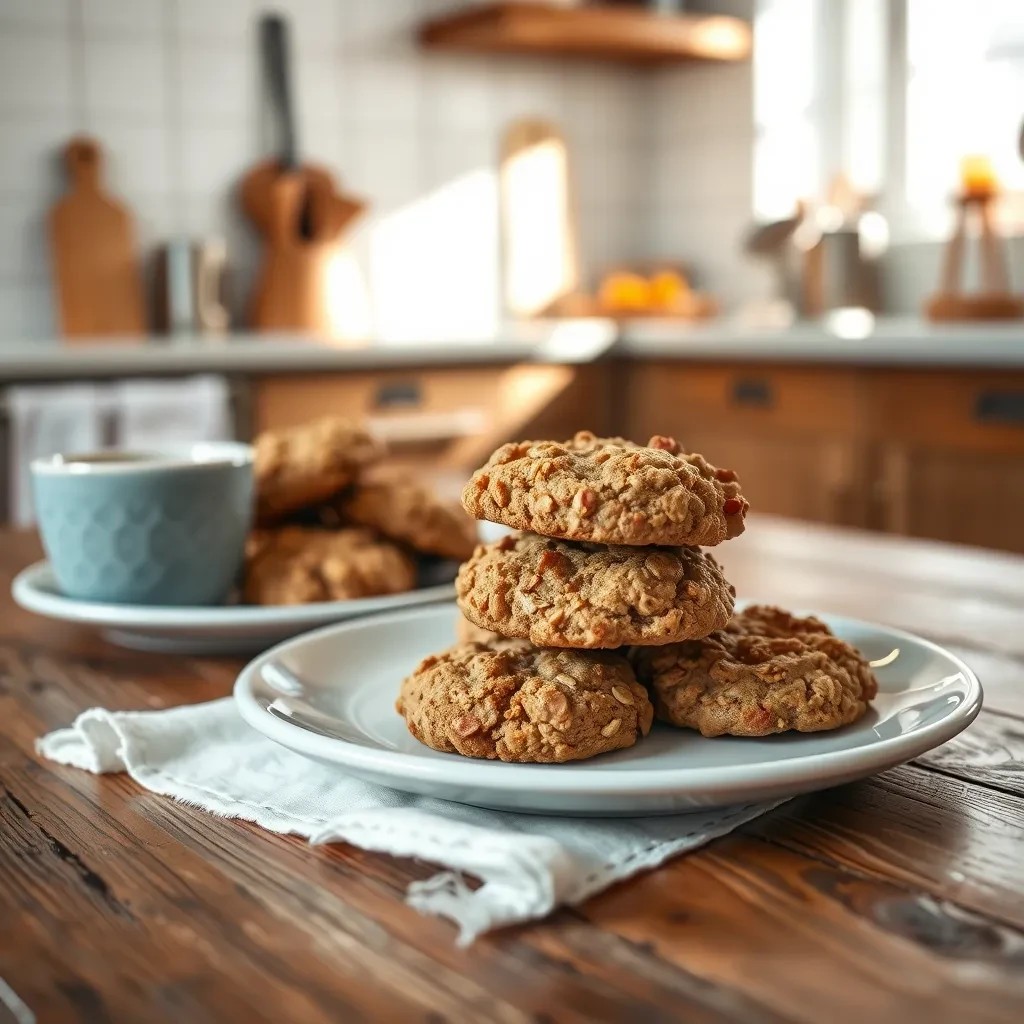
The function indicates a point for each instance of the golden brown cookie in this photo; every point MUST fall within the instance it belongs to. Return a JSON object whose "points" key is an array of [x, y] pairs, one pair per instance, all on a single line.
{"points": [[296, 565], [526, 704], [304, 465], [559, 593], [413, 514], [586, 441], [768, 671], [599, 490]]}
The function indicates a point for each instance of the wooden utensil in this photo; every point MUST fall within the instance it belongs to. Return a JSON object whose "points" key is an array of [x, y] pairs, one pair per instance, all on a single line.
{"points": [[296, 207], [540, 249], [98, 284]]}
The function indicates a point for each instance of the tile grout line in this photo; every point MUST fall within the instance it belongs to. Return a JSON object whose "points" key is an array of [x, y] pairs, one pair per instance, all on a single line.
{"points": [[76, 34], [173, 113]]}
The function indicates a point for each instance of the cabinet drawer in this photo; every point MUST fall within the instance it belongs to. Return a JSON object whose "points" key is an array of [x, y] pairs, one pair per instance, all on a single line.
{"points": [[286, 401], [975, 411], [461, 414], [823, 401]]}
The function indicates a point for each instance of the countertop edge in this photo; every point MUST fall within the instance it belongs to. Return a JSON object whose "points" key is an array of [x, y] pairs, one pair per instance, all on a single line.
{"points": [[890, 343]]}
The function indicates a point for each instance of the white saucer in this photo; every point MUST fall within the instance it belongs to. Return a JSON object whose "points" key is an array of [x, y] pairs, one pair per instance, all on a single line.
{"points": [[230, 629], [330, 696]]}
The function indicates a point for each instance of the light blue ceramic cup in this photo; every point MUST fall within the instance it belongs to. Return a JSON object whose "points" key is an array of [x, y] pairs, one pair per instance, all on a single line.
{"points": [[150, 529]]}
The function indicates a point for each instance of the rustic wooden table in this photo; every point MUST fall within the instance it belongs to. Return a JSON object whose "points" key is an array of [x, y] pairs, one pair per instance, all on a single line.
{"points": [[900, 898]]}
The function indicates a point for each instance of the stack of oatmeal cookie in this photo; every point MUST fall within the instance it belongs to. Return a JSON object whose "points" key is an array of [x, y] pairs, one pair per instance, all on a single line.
{"points": [[604, 588], [327, 533]]}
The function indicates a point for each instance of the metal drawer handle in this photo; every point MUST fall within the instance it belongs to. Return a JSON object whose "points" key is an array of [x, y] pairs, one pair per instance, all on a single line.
{"points": [[1006, 407], [754, 392], [398, 393]]}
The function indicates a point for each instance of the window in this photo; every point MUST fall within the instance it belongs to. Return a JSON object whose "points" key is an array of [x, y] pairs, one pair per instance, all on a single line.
{"points": [[893, 93]]}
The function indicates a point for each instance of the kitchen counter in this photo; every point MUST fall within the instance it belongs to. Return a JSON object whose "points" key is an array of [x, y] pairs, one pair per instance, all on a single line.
{"points": [[895, 342], [574, 341]]}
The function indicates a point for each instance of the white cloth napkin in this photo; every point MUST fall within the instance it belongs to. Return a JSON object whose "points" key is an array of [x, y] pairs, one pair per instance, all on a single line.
{"points": [[155, 414], [206, 756], [47, 419]]}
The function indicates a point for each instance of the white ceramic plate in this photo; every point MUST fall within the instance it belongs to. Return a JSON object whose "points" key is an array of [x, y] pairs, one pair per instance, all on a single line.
{"points": [[231, 629], [330, 696]]}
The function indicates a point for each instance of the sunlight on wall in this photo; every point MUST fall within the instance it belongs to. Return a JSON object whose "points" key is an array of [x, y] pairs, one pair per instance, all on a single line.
{"points": [[348, 299], [434, 265]]}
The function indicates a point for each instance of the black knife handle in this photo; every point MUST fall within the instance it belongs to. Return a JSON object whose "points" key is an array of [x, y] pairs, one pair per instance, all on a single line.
{"points": [[274, 50]]}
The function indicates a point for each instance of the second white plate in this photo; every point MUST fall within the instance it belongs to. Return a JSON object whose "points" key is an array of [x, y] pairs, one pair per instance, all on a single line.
{"points": [[229, 629], [330, 696]]}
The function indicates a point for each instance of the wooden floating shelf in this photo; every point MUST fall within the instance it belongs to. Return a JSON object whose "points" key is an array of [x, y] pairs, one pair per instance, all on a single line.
{"points": [[607, 33]]}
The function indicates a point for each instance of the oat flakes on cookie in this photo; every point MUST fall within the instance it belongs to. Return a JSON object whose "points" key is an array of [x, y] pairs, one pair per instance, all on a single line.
{"points": [[599, 490], [304, 465], [413, 514], [559, 593], [296, 565], [524, 704], [767, 672]]}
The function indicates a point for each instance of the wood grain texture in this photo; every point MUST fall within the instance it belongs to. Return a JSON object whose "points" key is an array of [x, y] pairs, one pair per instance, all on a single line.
{"points": [[590, 32], [92, 238], [929, 453], [898, 898]]}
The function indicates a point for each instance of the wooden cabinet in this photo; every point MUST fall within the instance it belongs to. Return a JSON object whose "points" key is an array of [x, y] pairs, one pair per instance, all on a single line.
{"points": [[936, 454], [794, 436], [949, 455], [975, 498], [448, 418]]}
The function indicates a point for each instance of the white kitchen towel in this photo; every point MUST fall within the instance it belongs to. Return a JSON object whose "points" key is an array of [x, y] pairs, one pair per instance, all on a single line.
{"points": [[153, 415], [46, 419], [206, 756]]}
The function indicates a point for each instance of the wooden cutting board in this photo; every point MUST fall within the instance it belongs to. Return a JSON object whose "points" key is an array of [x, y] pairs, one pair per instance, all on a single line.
{"points": [[540, 246], [92, 238]]}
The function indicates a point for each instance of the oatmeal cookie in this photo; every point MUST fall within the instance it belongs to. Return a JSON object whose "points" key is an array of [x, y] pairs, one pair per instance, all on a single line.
{"points": [[587, 441], [521, 703], [305, 465], [413, 514], [596, 489], [768, 671], [295, 565], [559, 593]]}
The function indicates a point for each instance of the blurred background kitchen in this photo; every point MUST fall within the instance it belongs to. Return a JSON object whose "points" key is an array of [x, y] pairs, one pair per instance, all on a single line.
{"points": [[786, 231]]}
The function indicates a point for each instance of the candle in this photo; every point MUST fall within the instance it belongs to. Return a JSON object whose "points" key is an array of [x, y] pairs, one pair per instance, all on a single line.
{"points": [[977, 178]]}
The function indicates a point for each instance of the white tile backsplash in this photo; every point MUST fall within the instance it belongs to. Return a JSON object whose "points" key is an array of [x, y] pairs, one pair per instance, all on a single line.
{"points": [[31, 167], [127, 19], [137, 157], [314, 26], [384, 94], [214, 82], [214, 158], [223, 20], [457, 92], [24, 255], [376, 28], [171, 90], [453, 152], [320, 93], [388, 168], [126, 77], [26, 310], [526, 88], [35, 72], [35, 13]]}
